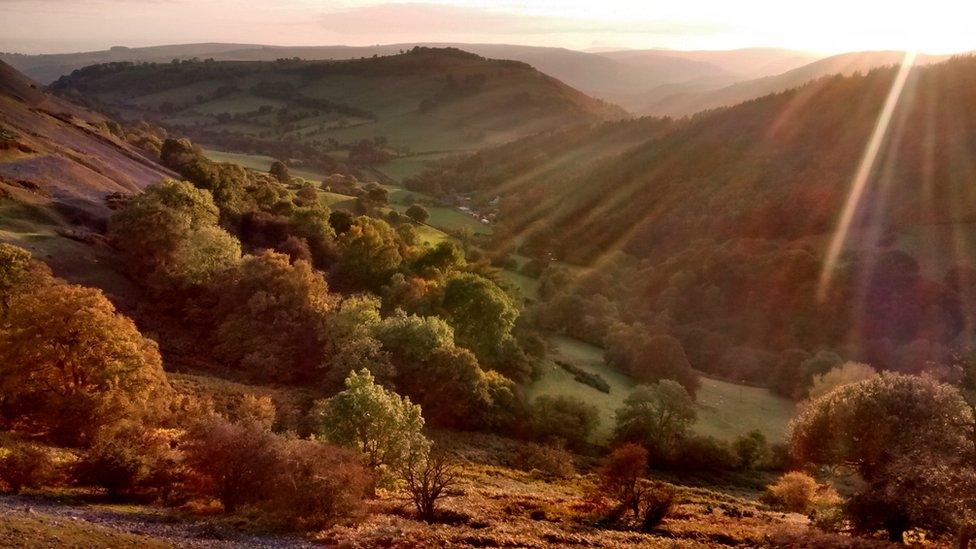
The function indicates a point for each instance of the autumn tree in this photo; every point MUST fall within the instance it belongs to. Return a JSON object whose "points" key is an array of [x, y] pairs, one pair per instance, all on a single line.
{"points": [[280, 172], [18, 273], [845, 374], [273, 318], [619, 477], [369, 253], [872, 427], [71, 365]]}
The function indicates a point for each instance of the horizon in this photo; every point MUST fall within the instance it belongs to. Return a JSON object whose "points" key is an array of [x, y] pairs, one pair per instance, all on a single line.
{"points": [[34, 27]]}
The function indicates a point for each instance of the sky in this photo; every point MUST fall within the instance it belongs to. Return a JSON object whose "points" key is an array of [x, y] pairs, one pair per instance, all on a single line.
{"points": [[824, 26]]}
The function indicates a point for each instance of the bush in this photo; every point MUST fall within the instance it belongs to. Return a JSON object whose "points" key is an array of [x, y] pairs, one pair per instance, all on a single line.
{"points": [[701, 453], [586, 378], [563, 418], [549, 460], [126, 461], [798, 492], [25, 466], [657, 503], [620, 477], [232, 462], [317, 484]]}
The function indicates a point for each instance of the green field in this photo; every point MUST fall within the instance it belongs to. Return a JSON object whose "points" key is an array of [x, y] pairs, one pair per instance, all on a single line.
{"points": [[260, 163], [725, 410]]}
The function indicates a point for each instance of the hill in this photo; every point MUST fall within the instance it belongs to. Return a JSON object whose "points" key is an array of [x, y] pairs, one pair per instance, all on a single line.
{"points": [[421, 100], [58, 161], [726, 218], [612, 76], [689, 99]]}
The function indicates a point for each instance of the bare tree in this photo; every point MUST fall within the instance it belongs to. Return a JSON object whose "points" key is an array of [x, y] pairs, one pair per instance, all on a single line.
{"points": [[427, 476]]}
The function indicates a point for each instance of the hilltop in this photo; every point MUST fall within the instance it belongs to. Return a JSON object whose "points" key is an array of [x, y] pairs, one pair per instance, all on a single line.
{"points": [[421, 100]]}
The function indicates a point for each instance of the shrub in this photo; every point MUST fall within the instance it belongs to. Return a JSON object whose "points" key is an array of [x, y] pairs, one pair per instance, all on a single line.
{"points": [[795, 492], [619, 478], [751, 450], [233, 462], [25, 466], [127, 460], [255, 409], [563, 418], [657, 501], [550, 460], [317, 484], [586, 378], [701, 453]]}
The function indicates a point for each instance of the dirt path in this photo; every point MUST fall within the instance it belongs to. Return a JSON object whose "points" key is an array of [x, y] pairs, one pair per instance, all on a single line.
{"points": [[144, 522]]}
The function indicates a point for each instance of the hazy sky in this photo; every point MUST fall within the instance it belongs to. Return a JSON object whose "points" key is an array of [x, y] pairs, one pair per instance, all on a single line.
{"points": [[934, 26]]}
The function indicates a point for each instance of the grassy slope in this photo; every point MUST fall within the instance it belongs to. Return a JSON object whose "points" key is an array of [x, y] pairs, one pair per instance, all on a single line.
{"points": [[725, 410], [37, 530]]}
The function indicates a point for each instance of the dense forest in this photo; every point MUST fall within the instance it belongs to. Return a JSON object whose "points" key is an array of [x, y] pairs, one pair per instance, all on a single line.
{"points": [[713, 229]]}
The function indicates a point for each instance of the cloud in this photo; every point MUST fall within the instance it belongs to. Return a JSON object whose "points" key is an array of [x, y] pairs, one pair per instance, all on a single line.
{"points": [[438, 19]]}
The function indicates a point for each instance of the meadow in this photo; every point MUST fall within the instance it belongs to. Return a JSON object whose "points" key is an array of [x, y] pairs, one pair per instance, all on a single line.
{"points": [[725, 410]]}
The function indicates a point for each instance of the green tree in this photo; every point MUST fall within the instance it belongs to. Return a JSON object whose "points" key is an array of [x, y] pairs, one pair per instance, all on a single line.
{"points": [[845, 374], [481, 313], [201, 257], [385, 428], [418, 213], [71, 365], [657, 416]]}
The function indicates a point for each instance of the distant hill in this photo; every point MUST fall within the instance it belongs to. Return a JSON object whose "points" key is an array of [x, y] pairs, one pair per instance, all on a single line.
{"points": [[421, 100], [610, 76], [690, 98]]}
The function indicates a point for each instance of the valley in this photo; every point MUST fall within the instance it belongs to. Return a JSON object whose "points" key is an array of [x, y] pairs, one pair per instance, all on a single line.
{"points": [[437, 296]]}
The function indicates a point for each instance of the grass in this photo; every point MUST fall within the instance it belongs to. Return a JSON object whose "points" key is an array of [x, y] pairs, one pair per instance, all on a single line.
{"points": [[725, 410], [33, 530]]}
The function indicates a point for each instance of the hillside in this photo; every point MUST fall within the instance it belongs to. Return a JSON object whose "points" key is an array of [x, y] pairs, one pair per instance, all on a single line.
{"points": [[688, 99], [732, 211], [611, 76], [58, 161], [421, 100]]}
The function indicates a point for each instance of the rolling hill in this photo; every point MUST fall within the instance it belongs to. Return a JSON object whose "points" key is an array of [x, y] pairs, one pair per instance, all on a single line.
{"points": [[612, 76], [418, 101]]}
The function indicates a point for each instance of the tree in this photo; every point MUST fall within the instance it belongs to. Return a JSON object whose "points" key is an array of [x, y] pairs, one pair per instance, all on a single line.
{"points": [[427, 474], [563, 418], [273, 318], [18, 272], [845, 374], [352, 344], [656, 416], [418, 213], [481, 313], [871, 427], [151, 226], [385, 428], [70, 364], [202, 256], [662, 357], [751, 449], [280, 172], [368, 253], [25, 465]]}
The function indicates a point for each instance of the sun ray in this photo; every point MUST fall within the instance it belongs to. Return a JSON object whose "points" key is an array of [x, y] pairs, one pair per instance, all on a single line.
{"points": [[864, 171]]}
